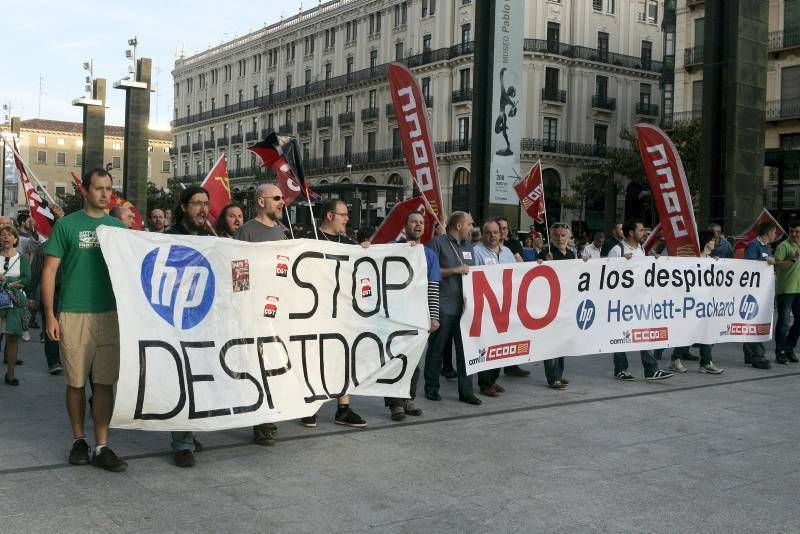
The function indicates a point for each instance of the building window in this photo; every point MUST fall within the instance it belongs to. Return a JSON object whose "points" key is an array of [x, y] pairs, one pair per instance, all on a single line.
{"points": [[117, 146], [601, 87], [466, 33], [553, 36], [647, 55], [648, 11], [42, 140], [326, 151], [327, 108], [271, 121], [426, 87], [396, 142], [551, 79], [371, 142], [165, 166], [600, 134], [307, 112], [464, 79], [41, 157], [610, 7], [373, 59], [398, 51], [463, 129], [61, 158], [60, 141], [668, 96], [288, 83], [428, 8], [79, 160], [400, 14], [597, 5], [373, 98], [348, 103], [550, 130], [426, 42], [116, 162], [644, 95], [348, 147], [328, 70], [602, 46], [255, 91]]}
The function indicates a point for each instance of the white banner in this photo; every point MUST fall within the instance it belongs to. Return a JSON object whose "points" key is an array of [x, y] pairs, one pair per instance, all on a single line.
{"points": [[217, 333], [506, 95], [526, 312]]}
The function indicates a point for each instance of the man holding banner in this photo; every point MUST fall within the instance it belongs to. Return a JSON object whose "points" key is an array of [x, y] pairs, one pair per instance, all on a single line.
{"points": [[631, 247], [787, 295], [759, 250]]}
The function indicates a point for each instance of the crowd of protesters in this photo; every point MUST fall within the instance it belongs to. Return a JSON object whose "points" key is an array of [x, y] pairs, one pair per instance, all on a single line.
{"points": [[65, 278]]}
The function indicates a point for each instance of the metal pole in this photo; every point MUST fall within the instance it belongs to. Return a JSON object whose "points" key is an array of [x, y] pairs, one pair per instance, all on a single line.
{"points": [[3, 193]]}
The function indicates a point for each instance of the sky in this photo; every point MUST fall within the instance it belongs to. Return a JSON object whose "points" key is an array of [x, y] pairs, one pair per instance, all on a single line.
{"points": [[49, 40]]}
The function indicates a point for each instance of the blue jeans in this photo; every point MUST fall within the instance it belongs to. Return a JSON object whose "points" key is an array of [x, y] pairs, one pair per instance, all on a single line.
{"points": [[785, 336], [182, 441], [648, 362]]}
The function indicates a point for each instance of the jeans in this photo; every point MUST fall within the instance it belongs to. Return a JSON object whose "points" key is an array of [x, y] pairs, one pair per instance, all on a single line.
{"points": [[392, 401], [182, 441], [554, 370], [487, 378], [705, 353], [785, 336], [449, 333], [648, 362], [753, 351]]}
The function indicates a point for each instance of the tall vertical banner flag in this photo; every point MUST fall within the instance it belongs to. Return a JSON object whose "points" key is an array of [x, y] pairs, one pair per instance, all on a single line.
{"points": [[42, 217], [116, 200], [531, 193], [415, 133], [671, 194], [219, 189], [280, 153], [506, 95], [393, 227]]}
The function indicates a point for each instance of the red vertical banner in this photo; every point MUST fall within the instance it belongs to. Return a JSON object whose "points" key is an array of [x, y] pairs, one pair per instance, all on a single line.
{"points": [[415, 133], [531, 193], [219, 189], [670, 190]]}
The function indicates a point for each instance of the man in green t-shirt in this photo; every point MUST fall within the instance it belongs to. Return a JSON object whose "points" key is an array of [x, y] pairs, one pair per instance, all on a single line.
{"points": [[86, 328], [787, 295]]}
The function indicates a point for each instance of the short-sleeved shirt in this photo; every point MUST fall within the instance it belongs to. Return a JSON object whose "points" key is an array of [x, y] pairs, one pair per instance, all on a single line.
{"points": [[590, 251], [623, 248], [485, 256], [255, 231], [514, 245], [609, 244], [788, 280], [85, 284], [756, 250], [451, 254], [434, 270]]}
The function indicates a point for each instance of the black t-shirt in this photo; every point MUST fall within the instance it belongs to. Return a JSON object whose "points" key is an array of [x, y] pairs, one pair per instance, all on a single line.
{"points": [[323, 236], [180, 229], [557, 255], [609, 243], [514, 245]]}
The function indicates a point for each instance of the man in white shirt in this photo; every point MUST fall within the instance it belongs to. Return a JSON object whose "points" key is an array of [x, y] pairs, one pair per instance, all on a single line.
{"points": [[595, 248], [630, 247]]}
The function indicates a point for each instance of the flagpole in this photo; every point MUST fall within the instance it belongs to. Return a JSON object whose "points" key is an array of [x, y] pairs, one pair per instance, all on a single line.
{"points": [[544, 203], [31, 174], [289, 218], [311, 210]]}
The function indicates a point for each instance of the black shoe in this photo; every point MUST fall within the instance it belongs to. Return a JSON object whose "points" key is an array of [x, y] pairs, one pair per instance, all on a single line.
{"points": [[449, 374], [264, 434], [516, 370], [761, 363], [79, 455], [690, 357], [109, 461], [310, 421], [11, 381], [791, 356], [659, 375], [781, 358], [348, 417], [625, 376], [433, 395], [475, 401], [184, 458]]}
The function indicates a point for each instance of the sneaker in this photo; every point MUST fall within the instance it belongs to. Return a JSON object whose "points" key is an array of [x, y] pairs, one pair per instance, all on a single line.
{"points": [[398, 414], [348, 417], [761, 363], [711, 369], [557, 385], [109, 461], [659, 375], [791, 356], [410, 408], [264, 434], [624, 375], [56, 369], [26, 336], [781, 358], [184, 458], [677, 366], [79, 454], [310, 421]]}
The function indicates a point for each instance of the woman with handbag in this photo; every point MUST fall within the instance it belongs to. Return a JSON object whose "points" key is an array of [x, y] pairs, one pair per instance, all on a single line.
{"points": [[14, 278]]}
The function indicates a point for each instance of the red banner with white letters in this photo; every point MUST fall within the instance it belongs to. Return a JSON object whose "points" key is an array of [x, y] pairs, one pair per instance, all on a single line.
{"points": [[531, 193], [393, 227], [670, 190], [415, 133]]}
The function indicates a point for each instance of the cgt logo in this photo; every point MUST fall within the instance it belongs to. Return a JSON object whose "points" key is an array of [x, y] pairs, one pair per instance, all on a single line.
{"points": [[179, 284], [748, 308], [585, 314], [282, 266], [647, 335]]}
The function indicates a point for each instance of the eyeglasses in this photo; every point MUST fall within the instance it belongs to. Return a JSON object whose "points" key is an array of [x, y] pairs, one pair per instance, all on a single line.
{"points": [[275, 198], [204, 203], [345, 214]]}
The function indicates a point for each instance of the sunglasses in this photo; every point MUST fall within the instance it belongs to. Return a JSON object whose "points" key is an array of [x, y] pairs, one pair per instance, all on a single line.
{"points": [[275, 198], [560, 225]]}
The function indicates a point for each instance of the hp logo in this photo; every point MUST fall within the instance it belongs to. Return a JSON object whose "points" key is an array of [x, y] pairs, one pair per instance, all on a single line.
{"points": [[585, 314], [748, 309], [179, 284]]}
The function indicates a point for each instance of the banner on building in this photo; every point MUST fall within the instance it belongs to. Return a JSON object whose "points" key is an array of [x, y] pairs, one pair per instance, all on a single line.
{"points": [[670, 190], [520, 313], [415, 135], [217, 333], [506, 96]]}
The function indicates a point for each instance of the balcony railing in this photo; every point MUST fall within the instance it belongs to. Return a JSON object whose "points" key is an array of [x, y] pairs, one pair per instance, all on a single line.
{"points": [[390, 114], [208, 145], [222, 141], [783, 39], [693, 56], [646, 110], [370, 114], [553, 94], [324, 122], [786, 109], [285, 128], [566, 148], [185, 149], [603, 102], [236, 139], [347, 117], [304, 126], [462, 95], [197, 146], [669, 121], [251, 136], [455, 145], [544, 46]]}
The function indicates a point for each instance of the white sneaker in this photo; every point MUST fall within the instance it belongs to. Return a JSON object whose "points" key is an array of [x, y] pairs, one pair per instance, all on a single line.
{"points": [[677, 366], [711, 369], [26, 336]]}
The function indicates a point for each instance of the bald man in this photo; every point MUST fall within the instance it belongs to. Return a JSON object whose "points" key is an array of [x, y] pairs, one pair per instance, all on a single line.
{"points": [[265, 227], [123, 214]]}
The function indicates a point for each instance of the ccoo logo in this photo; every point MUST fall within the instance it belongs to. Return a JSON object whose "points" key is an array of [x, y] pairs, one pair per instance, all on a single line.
{"points": [[585, 314], [179, 284], [748, 308]]}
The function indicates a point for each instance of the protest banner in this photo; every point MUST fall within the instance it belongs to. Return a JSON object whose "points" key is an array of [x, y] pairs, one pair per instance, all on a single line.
{"points": [[217, 333], [521, 313]]}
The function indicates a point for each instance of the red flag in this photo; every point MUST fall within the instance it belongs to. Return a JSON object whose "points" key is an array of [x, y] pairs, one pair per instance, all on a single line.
{"points": [[219, 189], [752, 232], [652, 239], [393, 227], [42, 217], [531, 193], [114, 201], [282, 154], [671, 194], [415, 133]]}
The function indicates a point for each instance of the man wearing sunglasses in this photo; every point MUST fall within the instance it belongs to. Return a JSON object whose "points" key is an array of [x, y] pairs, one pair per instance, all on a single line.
{"points": [[265, 227]]}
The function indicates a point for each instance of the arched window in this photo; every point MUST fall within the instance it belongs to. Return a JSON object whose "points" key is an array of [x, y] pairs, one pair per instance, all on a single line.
{"points": [[461, 182], [395, 179], [344, 180], [369, 180], [552, 194]]}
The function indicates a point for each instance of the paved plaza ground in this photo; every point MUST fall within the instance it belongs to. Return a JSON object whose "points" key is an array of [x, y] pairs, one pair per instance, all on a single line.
{"points": [[696, 453]]}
